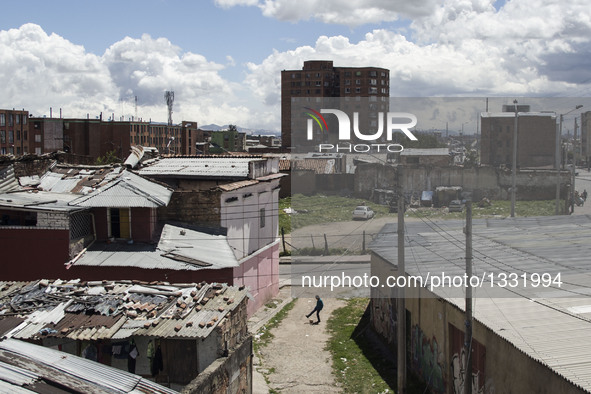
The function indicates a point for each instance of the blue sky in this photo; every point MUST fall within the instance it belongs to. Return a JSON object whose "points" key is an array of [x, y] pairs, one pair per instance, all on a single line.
{"points": [[223, 57]]}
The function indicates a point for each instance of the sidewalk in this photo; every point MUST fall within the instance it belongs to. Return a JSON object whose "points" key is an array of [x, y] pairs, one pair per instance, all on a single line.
{"points": [[255, 323]]}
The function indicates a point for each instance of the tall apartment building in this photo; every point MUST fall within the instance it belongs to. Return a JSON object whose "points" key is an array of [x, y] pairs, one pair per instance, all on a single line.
{"points": [[320, 79], [14, 132], [536, 138]]}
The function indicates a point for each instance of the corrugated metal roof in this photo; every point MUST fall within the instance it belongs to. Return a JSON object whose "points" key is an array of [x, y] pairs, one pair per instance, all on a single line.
{"points": [[549, 324], [68, 370], [161, 310], [39, 201], [8, 180], [128, 190], [217, 167], [179, 248]]}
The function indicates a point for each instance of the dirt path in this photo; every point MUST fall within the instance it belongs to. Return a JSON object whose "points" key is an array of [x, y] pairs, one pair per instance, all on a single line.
{"points": [[295, 360]]}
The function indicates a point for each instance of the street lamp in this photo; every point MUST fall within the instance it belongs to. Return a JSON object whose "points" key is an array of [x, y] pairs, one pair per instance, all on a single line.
{"points": [[557, 163], [514, 167]]}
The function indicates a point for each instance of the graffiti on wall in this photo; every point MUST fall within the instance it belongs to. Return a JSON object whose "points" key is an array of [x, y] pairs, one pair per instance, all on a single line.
{"points": [[384, 318], [458, 362], [426, 360], [458, 370]]}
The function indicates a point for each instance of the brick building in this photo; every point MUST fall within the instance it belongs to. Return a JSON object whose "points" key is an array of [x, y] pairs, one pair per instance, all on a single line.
{"points": [[536, 139], [320, 79], [96, 137], [14, 132]]}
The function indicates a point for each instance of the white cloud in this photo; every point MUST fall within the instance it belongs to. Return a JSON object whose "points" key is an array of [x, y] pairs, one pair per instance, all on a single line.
{"points": [[464, 48], [40, 71], [343, 12]]}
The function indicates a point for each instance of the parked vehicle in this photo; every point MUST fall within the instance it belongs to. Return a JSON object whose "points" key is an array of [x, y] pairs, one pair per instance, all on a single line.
{"points": [[363, 212], [456, 206]]}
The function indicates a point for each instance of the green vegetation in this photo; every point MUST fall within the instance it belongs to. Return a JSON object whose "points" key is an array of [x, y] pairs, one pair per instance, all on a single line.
{"points": [[319, 209], [359, 364], [109, 158]]}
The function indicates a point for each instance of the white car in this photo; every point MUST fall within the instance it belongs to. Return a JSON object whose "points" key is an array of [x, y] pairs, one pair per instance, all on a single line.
{"points": [[362, 212]]}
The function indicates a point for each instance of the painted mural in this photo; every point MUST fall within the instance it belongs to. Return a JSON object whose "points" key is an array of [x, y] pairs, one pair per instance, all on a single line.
{"points": [[384, 318], [427, 360], [458, 363]]}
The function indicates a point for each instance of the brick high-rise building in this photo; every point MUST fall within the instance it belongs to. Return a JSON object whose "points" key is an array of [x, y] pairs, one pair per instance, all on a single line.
{"points": [[320, 79], [536, 138], [14, 132]]}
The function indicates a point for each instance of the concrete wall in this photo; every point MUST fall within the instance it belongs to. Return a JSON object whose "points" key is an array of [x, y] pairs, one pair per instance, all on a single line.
{"points": [[260, 273], [488, 182], [250, 215], [226, 375], [436, 332]]}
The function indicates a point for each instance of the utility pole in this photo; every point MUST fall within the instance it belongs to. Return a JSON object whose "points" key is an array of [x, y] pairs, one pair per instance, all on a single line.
{"points": [[557, 164], [468, 336], [514, 166], [400, 301]]}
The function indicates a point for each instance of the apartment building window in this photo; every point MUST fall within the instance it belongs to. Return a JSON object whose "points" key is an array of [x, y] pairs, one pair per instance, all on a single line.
{"points": [[317, 75], [373, 73], [347, 82], [318, 83], [358, 82], [2, 119], [317, 91], [18, 119], [347, 73], [293, 76], [357, 73], [38, 151], [373, 81], [357, 90], [10, 120], [347, 90], [10, 137], [18, 150], [25, 120], [3, 136], [262, 217], [18, 135], [383, 74]]}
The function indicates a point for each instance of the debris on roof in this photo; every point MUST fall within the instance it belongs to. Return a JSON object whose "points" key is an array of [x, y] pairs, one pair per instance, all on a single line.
{"points": [[112, 309]]}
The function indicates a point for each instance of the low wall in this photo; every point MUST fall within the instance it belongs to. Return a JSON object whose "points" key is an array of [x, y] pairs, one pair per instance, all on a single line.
{"points": [[226, 375], [491, 182]]}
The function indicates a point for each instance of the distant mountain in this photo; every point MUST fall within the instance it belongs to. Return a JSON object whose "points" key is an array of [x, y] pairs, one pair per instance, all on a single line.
{"points": [[215, 127]]}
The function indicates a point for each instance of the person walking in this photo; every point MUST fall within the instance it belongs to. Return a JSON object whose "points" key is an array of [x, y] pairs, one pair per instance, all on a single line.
{"points": [[317, 309]]}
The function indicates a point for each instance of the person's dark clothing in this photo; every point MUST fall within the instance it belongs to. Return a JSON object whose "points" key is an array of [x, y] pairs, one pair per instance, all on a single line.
{"points": [[317, 309]]}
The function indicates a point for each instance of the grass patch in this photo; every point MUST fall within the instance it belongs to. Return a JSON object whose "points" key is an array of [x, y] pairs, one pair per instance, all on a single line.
{"points": [[265, 335], [320, 209], [357, 363]]}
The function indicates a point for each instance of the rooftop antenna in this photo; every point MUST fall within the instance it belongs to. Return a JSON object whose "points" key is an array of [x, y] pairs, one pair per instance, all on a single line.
{"points": [[169, 96], [136, 107]]}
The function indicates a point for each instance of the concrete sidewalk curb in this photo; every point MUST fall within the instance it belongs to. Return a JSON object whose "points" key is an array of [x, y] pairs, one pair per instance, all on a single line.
{"points": [[254, 327]]}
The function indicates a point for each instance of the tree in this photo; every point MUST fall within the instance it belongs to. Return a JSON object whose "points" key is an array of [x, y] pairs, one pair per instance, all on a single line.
{"points": [[109, 158]]}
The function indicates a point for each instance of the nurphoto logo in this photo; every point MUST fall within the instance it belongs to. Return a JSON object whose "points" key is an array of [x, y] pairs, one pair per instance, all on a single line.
{"points": [[394, 122]]}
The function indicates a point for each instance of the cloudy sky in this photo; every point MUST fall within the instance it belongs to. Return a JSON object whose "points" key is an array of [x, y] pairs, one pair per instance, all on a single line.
{"points": [[223, 58]]}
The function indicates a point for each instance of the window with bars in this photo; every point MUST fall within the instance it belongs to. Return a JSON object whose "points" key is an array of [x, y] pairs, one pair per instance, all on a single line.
{"points": [[80, 225]]}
